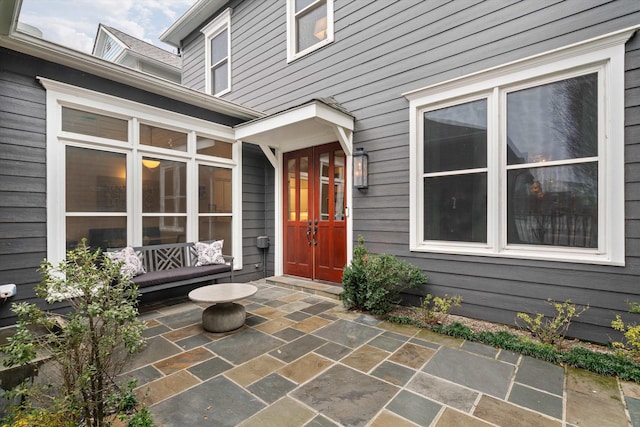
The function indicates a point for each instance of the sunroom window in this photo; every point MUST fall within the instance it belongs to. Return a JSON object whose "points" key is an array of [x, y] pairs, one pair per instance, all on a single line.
{"points": [[309, 26], [525, 160], [117, 178]]}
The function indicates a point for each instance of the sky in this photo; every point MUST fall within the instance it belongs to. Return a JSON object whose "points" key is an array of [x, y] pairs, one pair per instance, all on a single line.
{"points": [[74, 23]]}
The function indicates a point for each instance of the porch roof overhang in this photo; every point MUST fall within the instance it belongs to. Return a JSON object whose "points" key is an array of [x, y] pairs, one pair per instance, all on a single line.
{"points": [[313, 123]]}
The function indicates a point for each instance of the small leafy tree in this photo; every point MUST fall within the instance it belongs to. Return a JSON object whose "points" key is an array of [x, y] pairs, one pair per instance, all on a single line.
{"points": [[552, 330], [435, 310], [90, 344], [373, 282]]}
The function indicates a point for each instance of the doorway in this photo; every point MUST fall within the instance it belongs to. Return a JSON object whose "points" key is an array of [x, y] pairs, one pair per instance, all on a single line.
{"points": [[314, 228]]}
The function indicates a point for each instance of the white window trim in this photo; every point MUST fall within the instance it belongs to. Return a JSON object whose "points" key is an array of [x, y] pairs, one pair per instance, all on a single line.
{"points": [[292, 55], [62, 94], [605, 53], [220, 23]]}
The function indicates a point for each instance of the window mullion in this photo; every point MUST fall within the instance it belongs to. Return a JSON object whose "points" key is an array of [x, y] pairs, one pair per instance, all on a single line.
{"points": [[134, 182], [496, 177]]}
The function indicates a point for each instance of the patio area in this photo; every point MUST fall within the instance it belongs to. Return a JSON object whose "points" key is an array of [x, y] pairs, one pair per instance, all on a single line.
{"points": [[303, 360]]}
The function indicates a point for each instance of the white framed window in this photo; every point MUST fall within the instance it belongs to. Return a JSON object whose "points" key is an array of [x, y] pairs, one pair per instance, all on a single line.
{"points": [[309, 26], [121, 173], [218, 54], [525, 160]]}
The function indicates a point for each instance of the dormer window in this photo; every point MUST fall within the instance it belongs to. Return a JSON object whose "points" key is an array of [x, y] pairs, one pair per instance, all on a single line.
{"points": [[309, 26], [218, 54]]}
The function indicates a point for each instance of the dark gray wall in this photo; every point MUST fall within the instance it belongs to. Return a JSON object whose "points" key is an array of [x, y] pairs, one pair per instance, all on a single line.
{"points": [[23, 227], [385, 48]]}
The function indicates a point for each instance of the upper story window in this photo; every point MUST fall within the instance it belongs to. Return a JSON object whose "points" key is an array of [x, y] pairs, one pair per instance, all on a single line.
{"points": [[309, 26], [218, 54], [525, 160]]}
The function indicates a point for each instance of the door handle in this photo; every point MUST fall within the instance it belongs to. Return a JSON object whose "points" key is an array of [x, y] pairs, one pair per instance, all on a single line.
{"points": [[315, 231], [309, 233]]}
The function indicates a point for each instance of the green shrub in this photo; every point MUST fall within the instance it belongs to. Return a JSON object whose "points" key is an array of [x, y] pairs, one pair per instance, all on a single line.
{"points": [[552, 330], [374, 282], [353, 278], [89, 345], [631, 334], [435, 310]]}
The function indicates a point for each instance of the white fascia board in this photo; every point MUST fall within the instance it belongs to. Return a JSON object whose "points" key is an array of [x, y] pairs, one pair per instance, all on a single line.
{"points": [[58, 54], [190, 20], [315, 110]]}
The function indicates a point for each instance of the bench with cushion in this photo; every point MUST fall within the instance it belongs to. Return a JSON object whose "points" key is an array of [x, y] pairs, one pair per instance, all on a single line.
{"points": [[173, 265]]}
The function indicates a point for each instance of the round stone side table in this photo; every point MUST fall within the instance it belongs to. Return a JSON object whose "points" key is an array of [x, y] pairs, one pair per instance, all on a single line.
{"points": [[224, 315]]}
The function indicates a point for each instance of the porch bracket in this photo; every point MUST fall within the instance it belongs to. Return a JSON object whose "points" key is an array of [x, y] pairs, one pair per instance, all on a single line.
{"points": [[345, 137], [272, 157]]}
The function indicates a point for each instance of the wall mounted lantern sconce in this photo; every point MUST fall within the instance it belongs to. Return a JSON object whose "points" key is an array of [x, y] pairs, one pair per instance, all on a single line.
{"points": [[360, 169]]}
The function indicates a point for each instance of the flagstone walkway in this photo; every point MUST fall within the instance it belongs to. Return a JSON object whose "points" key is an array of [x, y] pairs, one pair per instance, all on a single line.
{"points": [[303, 360]]}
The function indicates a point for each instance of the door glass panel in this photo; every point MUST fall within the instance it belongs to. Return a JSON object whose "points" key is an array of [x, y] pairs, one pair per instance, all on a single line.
{"points": [[338, 185], [323, 194], [304, 188], [292, 189]]}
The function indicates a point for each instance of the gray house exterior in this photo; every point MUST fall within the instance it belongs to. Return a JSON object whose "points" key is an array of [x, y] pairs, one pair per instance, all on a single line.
{"points": [[461, 107]]}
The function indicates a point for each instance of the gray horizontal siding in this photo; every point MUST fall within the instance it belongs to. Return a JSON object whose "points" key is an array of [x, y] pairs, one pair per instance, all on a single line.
{"points": [[254, 187], [23, 227], [22, 184], [383, 49]]}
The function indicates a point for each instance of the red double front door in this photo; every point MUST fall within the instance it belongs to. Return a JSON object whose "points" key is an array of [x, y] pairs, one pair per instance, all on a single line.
{"points": [[315, 243]]}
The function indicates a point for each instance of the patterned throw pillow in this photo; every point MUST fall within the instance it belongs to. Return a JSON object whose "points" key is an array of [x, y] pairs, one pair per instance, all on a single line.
{"points": [[209, 253], [132, 266]]}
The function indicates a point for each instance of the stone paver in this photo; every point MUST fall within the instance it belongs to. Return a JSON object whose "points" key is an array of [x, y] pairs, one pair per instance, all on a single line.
{"points": [[537, 400], [414, 407], [284, 413], [473, 371], [304, 360], [505, 414], [541, 375], [346, 395], [444, 392], [593, 400], [451, 418]]}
